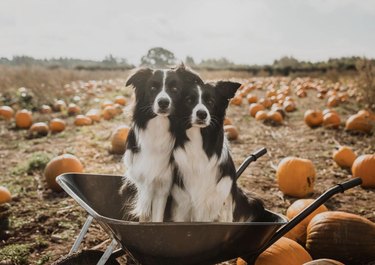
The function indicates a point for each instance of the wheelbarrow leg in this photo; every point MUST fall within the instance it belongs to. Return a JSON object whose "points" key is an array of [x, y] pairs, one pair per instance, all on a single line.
{"points": [[107, 253], [83, 232]]}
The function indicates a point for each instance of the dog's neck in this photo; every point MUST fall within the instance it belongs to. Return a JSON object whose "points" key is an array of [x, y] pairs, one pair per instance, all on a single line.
{"points": [[212, 138]]}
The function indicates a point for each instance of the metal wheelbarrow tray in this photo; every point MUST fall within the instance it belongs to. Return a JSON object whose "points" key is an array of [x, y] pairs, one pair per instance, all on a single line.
{"points": [[175, 243]]}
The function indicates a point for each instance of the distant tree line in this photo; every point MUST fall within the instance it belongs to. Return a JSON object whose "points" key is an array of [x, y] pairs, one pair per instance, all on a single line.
{"points": [[108, 63], [159, 57]]}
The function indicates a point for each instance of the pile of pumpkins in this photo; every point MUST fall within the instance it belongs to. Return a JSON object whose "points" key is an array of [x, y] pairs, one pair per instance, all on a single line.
{"points": [[278, 101], [24, 118], [330, 237], [362, 121]]}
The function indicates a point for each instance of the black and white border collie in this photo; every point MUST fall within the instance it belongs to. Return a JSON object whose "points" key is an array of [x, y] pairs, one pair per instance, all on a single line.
{"points": [[205, 188], [151, 139]]}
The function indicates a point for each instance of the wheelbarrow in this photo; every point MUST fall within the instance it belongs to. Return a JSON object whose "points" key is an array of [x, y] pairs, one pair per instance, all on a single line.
{"points": [[170, 243]]}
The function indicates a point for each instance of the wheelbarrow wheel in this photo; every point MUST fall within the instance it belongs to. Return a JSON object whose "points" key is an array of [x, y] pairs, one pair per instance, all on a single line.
{"points": [[84, 257]]}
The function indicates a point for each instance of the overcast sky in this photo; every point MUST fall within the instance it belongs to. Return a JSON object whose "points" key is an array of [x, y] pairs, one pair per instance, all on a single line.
{"points": [[244, 31]]}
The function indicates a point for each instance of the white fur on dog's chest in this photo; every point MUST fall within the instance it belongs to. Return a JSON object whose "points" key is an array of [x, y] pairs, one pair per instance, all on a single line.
{"points": [[200, 178], [198, 171], [150, 168], [152, 162]]}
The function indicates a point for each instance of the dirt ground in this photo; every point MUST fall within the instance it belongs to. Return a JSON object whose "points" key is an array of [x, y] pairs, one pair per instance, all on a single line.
{"points": [[44, 224]]}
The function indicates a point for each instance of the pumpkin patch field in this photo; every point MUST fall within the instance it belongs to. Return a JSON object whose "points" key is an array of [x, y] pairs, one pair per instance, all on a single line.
{"points": [[318, 133]]}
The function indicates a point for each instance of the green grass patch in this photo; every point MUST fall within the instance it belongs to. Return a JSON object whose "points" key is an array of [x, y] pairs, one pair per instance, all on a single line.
{"points": [[37, 161], [17, 254]]}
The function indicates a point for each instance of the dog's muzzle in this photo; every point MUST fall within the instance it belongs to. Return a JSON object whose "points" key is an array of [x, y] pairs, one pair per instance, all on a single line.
{"points": [[163, 106]]}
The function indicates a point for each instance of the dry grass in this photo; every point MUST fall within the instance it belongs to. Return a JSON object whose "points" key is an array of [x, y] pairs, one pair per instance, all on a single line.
{"points": [[366, 70], [45, 84]]}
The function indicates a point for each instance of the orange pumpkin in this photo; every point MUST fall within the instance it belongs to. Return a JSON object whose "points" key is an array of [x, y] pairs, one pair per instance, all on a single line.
{"points": [[359, 123], [254, 108], [313, 118], [343, 97], [57, 125], [231, 132], [73, 109], [301, 93], [298, 233], [296, 176], [333, 101], [5, 195], [271, 93], [59, 165], [261, 115], [24, 119], [82, 120], [275, 117], [45, 109], [282, 252], [251, 98], [94, 115], [6, 112], [118, 139], [59, 105], [267, 103], [331, 120], [120, 100], [39, 129], [119, 108], [344, 157], [279, 109], [109, 112], [289, 106], [227, 121], [236, 100], [367, 114], [364, 167]]}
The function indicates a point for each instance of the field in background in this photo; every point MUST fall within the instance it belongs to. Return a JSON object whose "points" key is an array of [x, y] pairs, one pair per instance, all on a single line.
{"points": [[44, 224]]}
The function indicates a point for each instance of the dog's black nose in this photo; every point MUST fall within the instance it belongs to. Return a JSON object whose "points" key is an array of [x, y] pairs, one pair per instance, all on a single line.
{"points": [[202, 114], [163, 103]]}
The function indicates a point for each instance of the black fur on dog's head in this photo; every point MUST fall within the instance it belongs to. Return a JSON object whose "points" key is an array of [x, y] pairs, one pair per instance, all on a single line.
{"points": [[158, 91], [202, 106]]}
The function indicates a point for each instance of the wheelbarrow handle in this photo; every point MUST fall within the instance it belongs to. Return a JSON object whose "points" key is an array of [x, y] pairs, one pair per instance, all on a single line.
{"points": [[251, 158], [309, 209]]}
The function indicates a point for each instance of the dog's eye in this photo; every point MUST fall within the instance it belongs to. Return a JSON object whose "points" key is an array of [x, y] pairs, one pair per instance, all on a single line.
{"points": [[153, 88], [174, 89], [210, 102], [189, 100]]}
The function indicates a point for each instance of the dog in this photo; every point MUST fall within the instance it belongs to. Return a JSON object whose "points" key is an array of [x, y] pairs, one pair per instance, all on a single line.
{"points": [[151, 139], [204, 188]]}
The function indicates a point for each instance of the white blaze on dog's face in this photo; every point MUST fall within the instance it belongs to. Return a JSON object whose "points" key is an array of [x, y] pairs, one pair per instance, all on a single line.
{"points": [[200, 116], [163, 102], [157, 91], [199, 103]]}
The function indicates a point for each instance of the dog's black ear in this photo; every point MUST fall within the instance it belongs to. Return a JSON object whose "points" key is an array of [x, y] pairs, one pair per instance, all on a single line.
{"points": [[227, 88], [188, 75], [139, 78]]}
